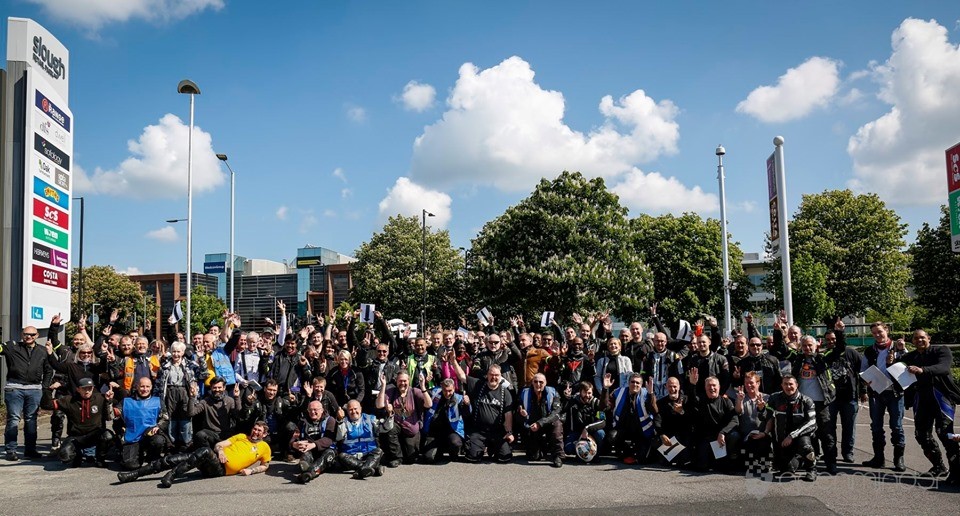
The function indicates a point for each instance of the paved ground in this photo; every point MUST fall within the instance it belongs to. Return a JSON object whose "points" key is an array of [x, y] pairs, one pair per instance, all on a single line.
{"points": [[45, 487]]}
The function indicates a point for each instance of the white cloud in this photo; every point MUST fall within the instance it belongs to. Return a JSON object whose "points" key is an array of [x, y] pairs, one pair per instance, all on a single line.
{"points": [[900, 155], [164, 234], [744, 206], [798, 92], [93, 14], [330, 214], [346, 192], [308, 220], [157, 167], [418, 97], [130, 271], [356, 113], [282, 213], [643, 192], [339, 174], [502, 129], [408, 198]]}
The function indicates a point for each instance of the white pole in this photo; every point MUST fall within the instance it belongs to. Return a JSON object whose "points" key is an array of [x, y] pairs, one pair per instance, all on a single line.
{"points": [[784, 236], [189, 220], [231, 237], [725, 254]]}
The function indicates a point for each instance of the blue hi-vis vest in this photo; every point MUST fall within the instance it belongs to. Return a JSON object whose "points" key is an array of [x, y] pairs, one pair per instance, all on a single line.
{"points": [[453, 412], [139, 416], [222, 366], [525, 398], [360, 437], [620, 400]]}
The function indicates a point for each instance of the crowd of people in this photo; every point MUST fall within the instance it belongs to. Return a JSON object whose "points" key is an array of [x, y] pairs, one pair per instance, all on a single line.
{"points": [[331, 397]]}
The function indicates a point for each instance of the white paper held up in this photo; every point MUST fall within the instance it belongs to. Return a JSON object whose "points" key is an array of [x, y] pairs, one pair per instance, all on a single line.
{"points": [[876, 379]]}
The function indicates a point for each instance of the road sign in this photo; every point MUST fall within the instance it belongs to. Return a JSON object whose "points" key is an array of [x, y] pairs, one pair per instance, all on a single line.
{"points": [[953, 195]]}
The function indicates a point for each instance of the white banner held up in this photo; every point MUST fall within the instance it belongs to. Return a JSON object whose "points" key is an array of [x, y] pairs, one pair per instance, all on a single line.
{"points": [[367, 313]]}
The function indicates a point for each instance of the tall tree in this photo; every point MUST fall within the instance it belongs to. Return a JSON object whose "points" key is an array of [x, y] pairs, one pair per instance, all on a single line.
{"points": [[110, 290], [684, 254], [204, 309], [389, 272], [811, 303], [564, 248], [936, 274], [860, 241]]}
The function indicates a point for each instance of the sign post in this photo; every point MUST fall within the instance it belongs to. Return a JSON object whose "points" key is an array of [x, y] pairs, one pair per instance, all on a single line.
{"points": [[784, 243], [953, 195], [36, 187]]}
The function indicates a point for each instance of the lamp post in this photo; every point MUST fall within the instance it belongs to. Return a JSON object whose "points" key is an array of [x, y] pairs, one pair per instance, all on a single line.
{"points": [[94, 318], [80, 270], [423, 254], [174, 221], [223, 158], [725, 256], [188, 87]]}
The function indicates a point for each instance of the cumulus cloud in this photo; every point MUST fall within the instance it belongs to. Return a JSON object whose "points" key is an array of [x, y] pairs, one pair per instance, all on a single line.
{"points": [[418, 97], [93, 14], [502, 129], [346, 192], [643, 192], [900, 155], [356, 113], [282, 213], [164, 234], [408, 198], [130, 271], [308, 220], [157, 167], [340, 174], [798, 92]]}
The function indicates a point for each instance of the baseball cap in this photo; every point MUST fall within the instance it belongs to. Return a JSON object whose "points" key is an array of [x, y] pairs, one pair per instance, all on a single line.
{"points": [[85, 382]]}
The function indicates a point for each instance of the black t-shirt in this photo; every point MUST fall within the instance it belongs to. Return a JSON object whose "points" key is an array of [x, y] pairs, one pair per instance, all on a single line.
{"points": [[488, 406]]}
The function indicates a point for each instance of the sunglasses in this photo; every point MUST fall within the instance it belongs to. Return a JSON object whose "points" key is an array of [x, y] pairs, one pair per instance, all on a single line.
{"points": [[29, 334]]}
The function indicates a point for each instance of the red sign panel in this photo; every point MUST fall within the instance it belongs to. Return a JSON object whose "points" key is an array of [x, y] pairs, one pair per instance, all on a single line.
{"points": [[50, 214], [953, 168], [49, 277]]}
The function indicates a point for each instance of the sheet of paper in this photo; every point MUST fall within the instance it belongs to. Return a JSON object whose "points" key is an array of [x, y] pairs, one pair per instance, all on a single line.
{"points": [[899, 373], [670, 452], [546, 318], [876, 379], [484, 316], [255, 385], [719, 452], [367, 313]]}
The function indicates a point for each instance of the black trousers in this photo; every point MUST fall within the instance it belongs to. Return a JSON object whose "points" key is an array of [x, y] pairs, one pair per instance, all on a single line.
{"points": [[630, 442], [928, 418], [439, 442], [790, 458], [547, 441], [149, 448], [399, 446], [826, 432], [491, 441]]}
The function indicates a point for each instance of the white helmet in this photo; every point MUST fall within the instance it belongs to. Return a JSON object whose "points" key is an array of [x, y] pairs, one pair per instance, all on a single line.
{"points": [[586, 449]]}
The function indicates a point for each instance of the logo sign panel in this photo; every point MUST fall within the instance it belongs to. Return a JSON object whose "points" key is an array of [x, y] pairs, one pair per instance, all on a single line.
{"points": [[50, 109], [50, 214], [51, 151], [55, 257], [214, 267], [49, 235], [49, 277], [47, 192]]}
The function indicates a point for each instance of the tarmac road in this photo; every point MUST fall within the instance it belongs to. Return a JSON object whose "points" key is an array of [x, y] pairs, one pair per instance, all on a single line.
{"points": [[607, 487]]}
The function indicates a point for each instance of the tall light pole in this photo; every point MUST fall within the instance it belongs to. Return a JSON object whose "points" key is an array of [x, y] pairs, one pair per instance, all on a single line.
{"points": [[80, 279], [784, 228], [174, 221], [223, 158], [188, 87], [423, 254], [725, 254]]}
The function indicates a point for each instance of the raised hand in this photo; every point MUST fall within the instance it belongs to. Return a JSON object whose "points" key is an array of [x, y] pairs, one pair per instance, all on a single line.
{"points": [[694, 375], [653, 309], [114, 315], [281, 306], [56, 320], [576, 318], [607, 381]]}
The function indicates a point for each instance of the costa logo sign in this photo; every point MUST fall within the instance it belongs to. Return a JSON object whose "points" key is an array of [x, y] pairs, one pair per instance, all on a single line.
{"points": [[50, 62], [51, 110], [52, 278]]}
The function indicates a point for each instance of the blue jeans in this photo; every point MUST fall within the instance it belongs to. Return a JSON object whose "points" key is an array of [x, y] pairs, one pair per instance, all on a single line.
{"points": [[22, 404], [181, 431], [848, 418], [889, 402]]}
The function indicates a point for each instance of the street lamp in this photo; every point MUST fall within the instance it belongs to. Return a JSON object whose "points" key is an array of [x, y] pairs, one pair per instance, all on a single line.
{"points": [[80, 270], [723, 239], [174, 221], [423, 255], [223, 158], [188, 87]]}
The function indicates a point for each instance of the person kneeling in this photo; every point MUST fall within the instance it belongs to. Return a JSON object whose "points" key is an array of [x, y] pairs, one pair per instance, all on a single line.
{"points": [[357, 435], [540, 409], [791, 428], [239, 455], [87, 412], [313, 442]]}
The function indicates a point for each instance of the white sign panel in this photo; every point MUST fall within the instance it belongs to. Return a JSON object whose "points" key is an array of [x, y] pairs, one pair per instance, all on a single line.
{"points": [[28, 41], [47, 202]]}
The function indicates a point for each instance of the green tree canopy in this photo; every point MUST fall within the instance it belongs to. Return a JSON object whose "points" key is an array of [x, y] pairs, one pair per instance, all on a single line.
{"points": [[389, 272], [103, 285], [860, 242], [684, 254], [811, 303], [204, 308], [936, 274], [565, 248]]}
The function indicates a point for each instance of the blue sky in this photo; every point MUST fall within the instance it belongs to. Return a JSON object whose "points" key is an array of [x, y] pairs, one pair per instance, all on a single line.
{"points": [[336, 115]]}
